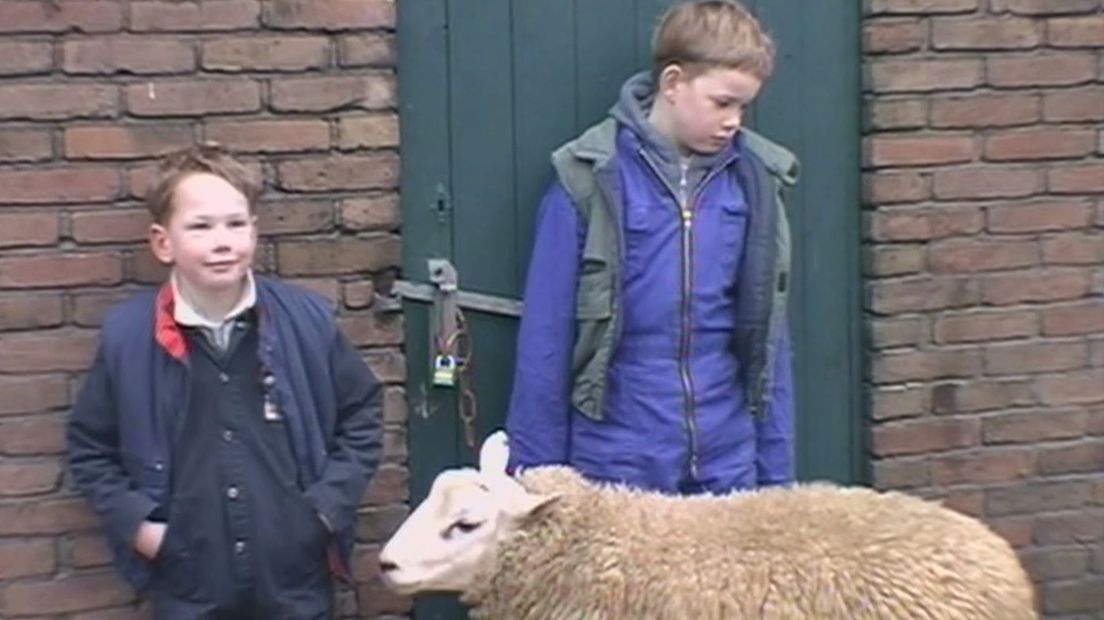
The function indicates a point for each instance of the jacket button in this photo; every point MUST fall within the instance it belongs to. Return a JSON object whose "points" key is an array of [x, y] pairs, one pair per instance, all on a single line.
{"points": [[228, 435], [224, 378], [158, 466], [239, 547], [269, 380], [232, 493]]}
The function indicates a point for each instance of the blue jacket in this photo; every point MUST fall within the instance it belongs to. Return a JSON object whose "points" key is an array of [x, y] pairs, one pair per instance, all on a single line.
{"points": [[646, 435], [123, 428]]}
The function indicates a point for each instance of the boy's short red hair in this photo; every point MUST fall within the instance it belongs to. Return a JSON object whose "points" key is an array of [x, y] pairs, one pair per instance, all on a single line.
{"points": [[706, 34], [208, 157]]}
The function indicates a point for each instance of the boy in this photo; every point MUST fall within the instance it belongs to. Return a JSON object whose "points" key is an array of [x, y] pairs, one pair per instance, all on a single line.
{"points": [[653, 348], [227, 429]]}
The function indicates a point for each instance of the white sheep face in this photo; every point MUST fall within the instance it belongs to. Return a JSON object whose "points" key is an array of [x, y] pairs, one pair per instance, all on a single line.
{"points": [[456, 531]]}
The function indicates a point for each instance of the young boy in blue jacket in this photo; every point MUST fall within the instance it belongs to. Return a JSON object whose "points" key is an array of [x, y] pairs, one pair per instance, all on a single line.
{"points": [[227, 429], [653, 348]]}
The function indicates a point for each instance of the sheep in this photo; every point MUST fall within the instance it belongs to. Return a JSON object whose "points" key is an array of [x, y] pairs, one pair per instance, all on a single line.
{"points": [[550, 545]]}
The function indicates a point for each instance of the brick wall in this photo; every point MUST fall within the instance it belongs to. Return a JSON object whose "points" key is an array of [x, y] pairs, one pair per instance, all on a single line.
{"points": [[984, 258], [90, 93]]}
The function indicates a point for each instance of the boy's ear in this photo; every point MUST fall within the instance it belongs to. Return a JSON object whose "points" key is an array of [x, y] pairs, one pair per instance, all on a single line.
{"points": [[160, 244], [669, 78]]}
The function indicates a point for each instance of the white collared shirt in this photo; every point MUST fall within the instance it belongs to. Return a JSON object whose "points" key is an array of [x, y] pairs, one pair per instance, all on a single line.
{"points": [[217, 332]]}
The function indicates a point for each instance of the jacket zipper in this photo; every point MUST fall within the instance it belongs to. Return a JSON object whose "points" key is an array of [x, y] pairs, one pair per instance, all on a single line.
{"points": [[686, 212]]}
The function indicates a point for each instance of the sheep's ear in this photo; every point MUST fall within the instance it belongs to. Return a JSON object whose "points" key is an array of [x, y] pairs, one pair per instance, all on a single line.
{"points": [[494, 454]]}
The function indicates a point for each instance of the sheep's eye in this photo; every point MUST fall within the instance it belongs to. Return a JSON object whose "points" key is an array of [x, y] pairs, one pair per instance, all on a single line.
{"points": [[463, 527]]}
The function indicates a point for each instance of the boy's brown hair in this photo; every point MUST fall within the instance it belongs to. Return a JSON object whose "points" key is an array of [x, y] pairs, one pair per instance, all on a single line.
{"points": [[706, 34], [207, 157]]}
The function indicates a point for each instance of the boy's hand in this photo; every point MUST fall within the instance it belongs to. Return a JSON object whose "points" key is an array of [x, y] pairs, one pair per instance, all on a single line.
{"points": [[148, 539]]}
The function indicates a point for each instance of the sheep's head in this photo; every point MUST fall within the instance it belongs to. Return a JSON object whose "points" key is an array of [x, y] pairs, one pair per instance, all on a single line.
{"points": [[457, 529]]}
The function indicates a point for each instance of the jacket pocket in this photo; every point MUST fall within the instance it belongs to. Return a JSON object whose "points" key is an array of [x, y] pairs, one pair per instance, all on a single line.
{"points": [[175, 563]]}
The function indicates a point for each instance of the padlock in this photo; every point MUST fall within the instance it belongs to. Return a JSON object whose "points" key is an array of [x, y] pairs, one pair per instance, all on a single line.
{"points": [[444, 371]]}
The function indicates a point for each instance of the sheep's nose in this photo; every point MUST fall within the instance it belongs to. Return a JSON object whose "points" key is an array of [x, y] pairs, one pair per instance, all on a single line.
{"points": [[387, 566]]}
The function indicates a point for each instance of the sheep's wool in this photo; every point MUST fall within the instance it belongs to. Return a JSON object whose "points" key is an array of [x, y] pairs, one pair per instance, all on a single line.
{"points": [[811, 552]]}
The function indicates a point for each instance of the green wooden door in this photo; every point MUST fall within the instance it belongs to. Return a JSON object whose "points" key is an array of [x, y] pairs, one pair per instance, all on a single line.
{"points": [[488, 88]]}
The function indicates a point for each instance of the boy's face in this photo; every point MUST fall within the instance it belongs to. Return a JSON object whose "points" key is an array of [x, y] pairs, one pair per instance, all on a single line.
{"points": [[210, 235], [707, 109]]}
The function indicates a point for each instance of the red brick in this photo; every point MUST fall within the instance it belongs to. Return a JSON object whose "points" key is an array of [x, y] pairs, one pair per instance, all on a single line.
{"points": [[334, 256], [1056, 564], [925, 365], [209, 15], [367, 50], [376, 213], [77, 592], [984, 326], [925, 436], [128, 55], [924, 223], [28, 229], [897, 331], [378, 601], [376, 131], [983, 467], [89, 309], [325, 94], [329, 14], [193, 98], [1033, 357], [60, 16], [893, 187], [1074, 320], [924, 75], [1034, 426], [110, 226], [32, 394], [44, 270], [389, 486], [126, 142], [922, 7], [388, 364], [339, 173], [965, 256], [1071, 597], [1048, 70], [24, 311], [1036, 497], [1040, 216], [369, 330], [885, 113], [23, 477], [58, 101], [359, 295], [1069, 528], [1044, 7], [920, 150], [326, 287], [1040, 144], [893, 35], [892, 260], [985, 33], [25, 57], [38, 435], [55, 185], [921, 293], [394, 406], [1081, 457], [26, 558], [1076, 179], [1076, 31], [1035, 285], [45, 517], [970, 396], [277, 218], [984, 111], [901, 474], [271, 136], [48, 351], [985, 182], [378, 524], [90, 551], [1072, 388], [1076, 105], [898, 401], [282, 53], [1074, 249], [1016, 530], [23, 145]]}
